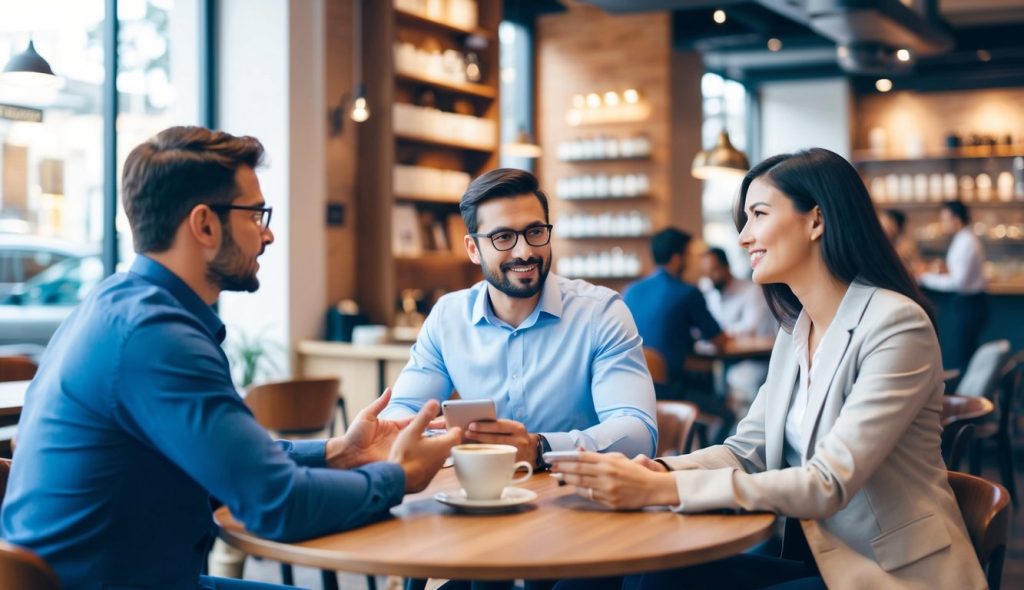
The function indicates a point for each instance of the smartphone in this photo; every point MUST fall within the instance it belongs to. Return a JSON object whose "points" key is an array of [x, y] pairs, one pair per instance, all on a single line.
{"points": [[463, 412], [556, 456]]}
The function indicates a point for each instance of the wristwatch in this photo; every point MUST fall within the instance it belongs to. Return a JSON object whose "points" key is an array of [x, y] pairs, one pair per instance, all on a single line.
{"points": [[542, 447]]}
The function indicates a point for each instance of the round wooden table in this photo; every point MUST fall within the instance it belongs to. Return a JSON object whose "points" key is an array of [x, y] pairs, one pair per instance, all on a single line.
{"points": [[559, 535]]}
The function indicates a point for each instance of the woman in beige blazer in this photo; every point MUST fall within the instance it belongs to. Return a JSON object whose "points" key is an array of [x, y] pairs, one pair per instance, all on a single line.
{"points": [[843, 437]]}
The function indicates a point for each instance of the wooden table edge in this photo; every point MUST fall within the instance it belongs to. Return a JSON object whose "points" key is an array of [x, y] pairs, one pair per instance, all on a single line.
{"points": [[337, 561]]}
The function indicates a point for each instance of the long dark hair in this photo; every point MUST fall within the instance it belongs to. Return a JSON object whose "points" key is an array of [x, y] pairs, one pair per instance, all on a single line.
{"points": [[853, 245]]}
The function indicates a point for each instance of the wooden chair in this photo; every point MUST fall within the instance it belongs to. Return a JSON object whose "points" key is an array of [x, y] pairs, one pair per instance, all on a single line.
{"points": [[960, 414], [16, 368], [299, 406], [19, 567], [956, 439], [675, 427], [986, 512], [999, 427], [657, 366]]}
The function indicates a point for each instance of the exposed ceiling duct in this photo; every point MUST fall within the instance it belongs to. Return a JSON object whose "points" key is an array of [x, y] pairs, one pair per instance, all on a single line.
{"points": [[868, 33]]}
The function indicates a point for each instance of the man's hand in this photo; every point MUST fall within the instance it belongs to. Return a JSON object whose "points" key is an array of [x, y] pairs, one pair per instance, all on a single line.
{"points": [[505, 432], [367, 439], [421, 457], [617, 482]]}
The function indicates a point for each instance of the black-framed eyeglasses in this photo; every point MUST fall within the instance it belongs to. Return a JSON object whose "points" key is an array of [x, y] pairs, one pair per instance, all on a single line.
{"points": [[261, 215], [506, 239]]}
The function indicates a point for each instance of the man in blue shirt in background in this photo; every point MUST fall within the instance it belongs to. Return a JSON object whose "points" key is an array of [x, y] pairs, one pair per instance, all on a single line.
{"points": [[132, 422], [668, 313], [561, 358]]}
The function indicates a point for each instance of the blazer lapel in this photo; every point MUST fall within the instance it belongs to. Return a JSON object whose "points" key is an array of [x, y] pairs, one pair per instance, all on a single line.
{"points": [[833, 349], [780, 397]]}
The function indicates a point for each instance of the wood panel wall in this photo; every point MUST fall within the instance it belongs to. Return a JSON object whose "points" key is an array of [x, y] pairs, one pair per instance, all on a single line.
{"points": [[587, 50]]}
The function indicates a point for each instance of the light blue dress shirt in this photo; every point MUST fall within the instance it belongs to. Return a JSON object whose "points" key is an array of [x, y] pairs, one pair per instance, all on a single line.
{"points": [[573, 371]]}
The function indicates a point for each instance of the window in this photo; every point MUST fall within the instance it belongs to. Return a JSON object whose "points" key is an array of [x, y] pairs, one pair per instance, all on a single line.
{"points": [[54, 167], [725, 107]]}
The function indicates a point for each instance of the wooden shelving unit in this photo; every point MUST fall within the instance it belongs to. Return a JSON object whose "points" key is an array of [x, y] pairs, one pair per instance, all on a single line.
{"points": [[383, 272]]}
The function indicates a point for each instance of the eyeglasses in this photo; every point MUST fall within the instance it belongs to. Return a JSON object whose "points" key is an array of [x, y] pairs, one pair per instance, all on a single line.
{"points": [[506, 239], [260, 216]]}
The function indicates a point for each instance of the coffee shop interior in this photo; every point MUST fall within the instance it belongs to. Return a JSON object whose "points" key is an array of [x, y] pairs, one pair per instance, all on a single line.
{"points": [[634, 115]]}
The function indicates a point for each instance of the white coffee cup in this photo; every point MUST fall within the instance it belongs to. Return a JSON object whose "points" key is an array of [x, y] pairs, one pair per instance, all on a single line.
{"points": [[485, 470]]}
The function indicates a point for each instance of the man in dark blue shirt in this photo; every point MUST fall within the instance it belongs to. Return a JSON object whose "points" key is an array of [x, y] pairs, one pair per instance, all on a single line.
{"points": [[133, 422], [668, 310]]}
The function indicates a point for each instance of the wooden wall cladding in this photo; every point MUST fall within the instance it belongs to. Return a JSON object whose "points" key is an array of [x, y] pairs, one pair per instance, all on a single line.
{"points": [[586, 50]]}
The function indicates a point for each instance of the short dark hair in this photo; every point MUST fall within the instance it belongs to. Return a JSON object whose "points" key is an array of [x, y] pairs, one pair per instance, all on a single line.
{"points": [[167, 176], [898, 217], [500, 183], [667, 243], [719, 255], [960, 210], [853, 245]]}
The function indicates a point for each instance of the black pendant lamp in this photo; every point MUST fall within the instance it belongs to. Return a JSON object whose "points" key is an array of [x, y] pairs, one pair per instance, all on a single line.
{"points": [[28, 68]]}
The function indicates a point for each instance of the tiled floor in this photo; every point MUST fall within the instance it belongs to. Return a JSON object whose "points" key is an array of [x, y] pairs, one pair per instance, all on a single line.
{"points": [[1013, 572]]}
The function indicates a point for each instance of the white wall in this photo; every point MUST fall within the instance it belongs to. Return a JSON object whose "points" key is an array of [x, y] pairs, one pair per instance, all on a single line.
{"points": [[802, 114], [270, 86]]}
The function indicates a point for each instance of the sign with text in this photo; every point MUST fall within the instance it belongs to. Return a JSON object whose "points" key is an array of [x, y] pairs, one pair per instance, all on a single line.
{"points": [[15, 113]]}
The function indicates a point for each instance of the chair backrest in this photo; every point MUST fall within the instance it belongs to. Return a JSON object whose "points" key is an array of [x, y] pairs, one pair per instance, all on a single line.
{"points": [[16, 368], [985, 506], [656, 365], [299, 405], [982, 373], [22, 569], [675, 427], [19, 567], [1011, 382], [956, 437]]}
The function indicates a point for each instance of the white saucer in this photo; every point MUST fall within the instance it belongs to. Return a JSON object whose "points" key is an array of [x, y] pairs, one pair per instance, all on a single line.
{"points": [[510, 498]]}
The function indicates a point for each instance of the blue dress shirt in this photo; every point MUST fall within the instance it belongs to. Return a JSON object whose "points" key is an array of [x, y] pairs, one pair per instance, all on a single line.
{"points": [[130, 426], [667, 310], [573, 371]]}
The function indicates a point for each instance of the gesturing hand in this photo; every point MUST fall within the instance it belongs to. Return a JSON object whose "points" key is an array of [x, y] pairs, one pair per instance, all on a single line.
{"points": [[421, 457], [368, 439]]}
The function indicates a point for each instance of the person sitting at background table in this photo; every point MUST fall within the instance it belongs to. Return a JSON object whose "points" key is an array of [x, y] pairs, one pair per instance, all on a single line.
{"points": [[894, 224], [739, 307], [964, 277], [132, 422], [668, 312], [561, 358], [843, 438]]}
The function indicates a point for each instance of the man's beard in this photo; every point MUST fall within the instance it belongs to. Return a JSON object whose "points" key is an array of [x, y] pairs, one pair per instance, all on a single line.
{"points": [[228, 269], [500, 280]]}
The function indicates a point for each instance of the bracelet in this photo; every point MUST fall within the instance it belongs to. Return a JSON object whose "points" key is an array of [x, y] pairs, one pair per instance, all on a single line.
{"points": [[664, 464]]}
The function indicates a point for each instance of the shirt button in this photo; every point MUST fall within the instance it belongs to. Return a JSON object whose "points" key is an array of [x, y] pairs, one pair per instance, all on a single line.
{"points": [[515, 376]]}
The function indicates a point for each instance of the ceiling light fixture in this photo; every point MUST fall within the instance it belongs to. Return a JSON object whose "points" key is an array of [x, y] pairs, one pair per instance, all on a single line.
{"points": [[721, 161], [903, 55], [29, 69], [719, 16], [774, 44], [883, 85]]}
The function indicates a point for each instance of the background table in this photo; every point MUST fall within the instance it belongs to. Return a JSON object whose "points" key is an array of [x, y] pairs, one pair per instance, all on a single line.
{"points": [[560, 535], [12, 398]]}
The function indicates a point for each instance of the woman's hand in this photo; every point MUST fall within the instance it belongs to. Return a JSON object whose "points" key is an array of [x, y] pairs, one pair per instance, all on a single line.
{"points": [[617, 482]]}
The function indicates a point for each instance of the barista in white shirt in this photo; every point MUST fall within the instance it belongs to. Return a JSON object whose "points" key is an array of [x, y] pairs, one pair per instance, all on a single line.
{"points": [[963, 276], [740, 309]]}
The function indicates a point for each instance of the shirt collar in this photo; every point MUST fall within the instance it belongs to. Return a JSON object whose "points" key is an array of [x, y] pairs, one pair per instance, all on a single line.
{"points": [[161, 276], [550, 303]]}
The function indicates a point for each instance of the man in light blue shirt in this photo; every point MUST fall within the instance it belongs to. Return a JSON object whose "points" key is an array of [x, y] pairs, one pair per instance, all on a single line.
{"points": [[561, 358]]}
